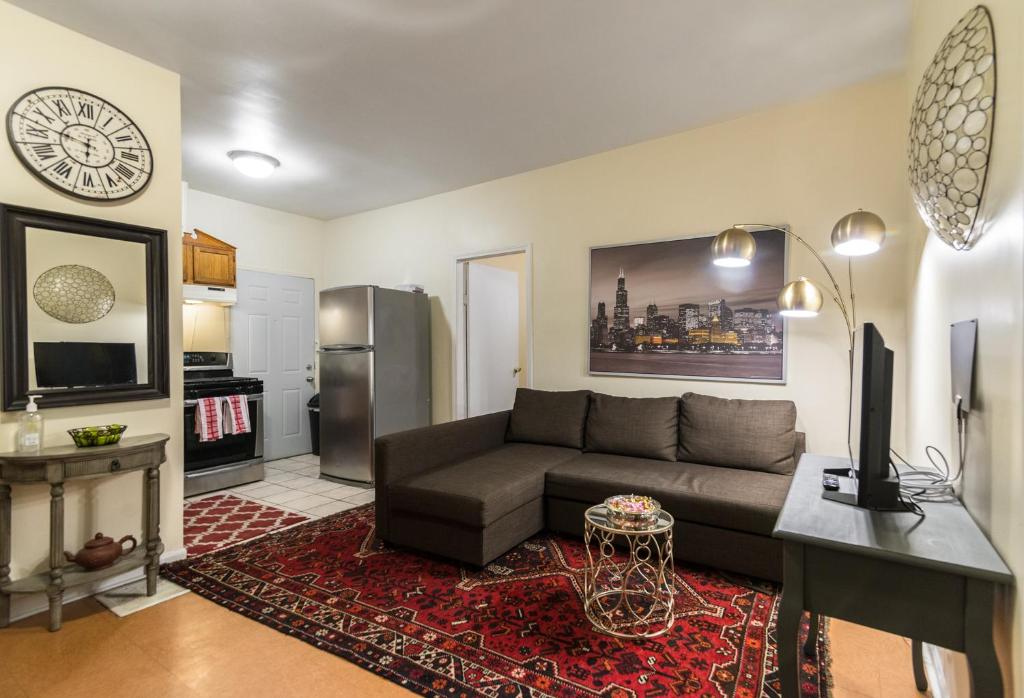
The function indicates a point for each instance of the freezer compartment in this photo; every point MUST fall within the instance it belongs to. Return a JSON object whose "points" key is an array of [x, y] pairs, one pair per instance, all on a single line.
{"points": [[346, 414], [346, 316]]}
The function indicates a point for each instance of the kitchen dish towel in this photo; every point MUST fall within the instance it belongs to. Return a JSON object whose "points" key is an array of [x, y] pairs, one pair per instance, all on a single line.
{"points": [[237, 407], [209, 419]]}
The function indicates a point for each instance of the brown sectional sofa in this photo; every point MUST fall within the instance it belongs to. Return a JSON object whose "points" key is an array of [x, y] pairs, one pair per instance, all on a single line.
{"points": [[473, 489]]}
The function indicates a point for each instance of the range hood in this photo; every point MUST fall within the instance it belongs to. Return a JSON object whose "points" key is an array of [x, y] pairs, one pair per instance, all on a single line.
{"points": [[218, 295]]}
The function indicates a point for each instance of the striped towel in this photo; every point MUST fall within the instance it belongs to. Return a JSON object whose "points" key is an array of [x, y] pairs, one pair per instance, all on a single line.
{"points": [[209, 419], [237, 414]]}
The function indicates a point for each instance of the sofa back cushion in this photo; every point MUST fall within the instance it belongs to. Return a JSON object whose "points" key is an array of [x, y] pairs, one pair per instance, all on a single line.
{"points": [[748, 434], [555, 418], [646, 427]]}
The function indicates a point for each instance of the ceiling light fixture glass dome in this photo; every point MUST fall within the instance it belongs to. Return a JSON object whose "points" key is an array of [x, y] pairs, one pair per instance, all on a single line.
{"points": [[253, 164]]}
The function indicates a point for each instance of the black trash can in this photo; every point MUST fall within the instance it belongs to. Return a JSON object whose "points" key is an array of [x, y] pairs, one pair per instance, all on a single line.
{"points": [[314, 423]]}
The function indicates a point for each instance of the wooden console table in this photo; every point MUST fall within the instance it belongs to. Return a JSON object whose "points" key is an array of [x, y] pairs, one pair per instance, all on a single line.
{"points": [[55, 465], [932, 579]]}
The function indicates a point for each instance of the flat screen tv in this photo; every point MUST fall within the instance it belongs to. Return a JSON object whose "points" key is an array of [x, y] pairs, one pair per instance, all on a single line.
{"points": [[870, 424], [80, 364]]}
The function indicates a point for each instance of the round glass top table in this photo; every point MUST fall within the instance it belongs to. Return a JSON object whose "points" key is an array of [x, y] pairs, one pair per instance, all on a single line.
{"points": [[629, 581]]}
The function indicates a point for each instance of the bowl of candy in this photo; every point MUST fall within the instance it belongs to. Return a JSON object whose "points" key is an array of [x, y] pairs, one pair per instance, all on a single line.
{"points": [[632, 510]]}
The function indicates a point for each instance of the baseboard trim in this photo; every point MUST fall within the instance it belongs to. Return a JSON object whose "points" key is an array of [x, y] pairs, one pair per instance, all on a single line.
{"points": [[935, 671], [25, 605]]}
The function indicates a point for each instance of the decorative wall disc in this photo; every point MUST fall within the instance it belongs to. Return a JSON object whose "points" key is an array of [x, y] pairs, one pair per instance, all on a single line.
{"points": [[74, 293], [951, 130]]}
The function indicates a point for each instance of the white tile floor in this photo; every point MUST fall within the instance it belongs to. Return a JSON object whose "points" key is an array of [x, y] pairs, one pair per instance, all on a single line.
{"points": [[294, 484]]}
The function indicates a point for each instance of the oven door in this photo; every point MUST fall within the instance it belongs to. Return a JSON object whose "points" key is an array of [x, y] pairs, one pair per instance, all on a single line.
{"points": [[231, 448]]}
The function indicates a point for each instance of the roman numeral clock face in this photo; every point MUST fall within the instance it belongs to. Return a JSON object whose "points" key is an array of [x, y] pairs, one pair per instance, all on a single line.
{"points": [[79, 143]]}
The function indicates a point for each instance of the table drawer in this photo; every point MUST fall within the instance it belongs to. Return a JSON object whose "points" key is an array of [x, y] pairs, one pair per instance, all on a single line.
{"points": [[108, 464]]}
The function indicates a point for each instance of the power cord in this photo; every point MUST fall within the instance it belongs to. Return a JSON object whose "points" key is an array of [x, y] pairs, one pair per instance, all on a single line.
{"points": [[935, 484], [906, 500]]}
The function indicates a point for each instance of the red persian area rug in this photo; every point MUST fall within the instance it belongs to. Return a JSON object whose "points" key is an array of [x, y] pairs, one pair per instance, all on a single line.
{"points": [[216, 522], [515, 628]]}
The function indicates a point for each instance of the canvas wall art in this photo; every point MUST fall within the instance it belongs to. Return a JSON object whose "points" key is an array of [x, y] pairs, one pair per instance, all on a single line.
{"points": [[663, 309]]}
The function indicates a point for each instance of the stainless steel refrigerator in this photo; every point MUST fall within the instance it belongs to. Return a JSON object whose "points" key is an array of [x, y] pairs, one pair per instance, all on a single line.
{"points": [[374, 373]]}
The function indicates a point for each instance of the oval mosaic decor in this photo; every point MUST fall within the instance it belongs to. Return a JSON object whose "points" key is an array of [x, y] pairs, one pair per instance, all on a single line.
{"points": [[74, 293], [951, 130]]}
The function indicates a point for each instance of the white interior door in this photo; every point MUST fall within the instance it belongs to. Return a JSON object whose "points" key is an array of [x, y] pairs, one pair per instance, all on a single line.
{"points": [[492, 338], [272, 339]]}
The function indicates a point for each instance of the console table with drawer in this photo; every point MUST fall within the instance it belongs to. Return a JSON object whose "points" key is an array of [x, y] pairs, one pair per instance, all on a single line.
{"points": [[54, 466]]}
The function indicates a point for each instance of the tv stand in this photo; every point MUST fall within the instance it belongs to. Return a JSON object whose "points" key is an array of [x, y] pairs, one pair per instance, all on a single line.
{"points": [[847, 492], [933, 580], [885, 494]]}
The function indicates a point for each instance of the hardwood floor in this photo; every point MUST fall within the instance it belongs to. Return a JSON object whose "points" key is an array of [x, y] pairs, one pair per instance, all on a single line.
{"points": [[191, 647], [868, 663]]}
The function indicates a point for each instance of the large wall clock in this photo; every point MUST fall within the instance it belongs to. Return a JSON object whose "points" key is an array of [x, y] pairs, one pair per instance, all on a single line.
{"points": [[79, 143]]}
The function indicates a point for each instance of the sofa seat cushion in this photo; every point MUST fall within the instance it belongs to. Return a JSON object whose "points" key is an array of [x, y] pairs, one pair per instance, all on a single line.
{"points": [[553, 418], [646, 427], [740, 500], [749, 434], [479, 490]]}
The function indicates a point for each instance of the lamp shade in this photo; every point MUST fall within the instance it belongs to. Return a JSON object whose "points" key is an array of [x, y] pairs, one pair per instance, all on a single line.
{"points": [[800, 298], [253, 164], [858, 233], [734, 247]]}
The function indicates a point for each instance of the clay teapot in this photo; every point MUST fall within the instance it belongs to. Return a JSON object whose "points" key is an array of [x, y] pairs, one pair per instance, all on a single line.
{"points": [[101, 552]]}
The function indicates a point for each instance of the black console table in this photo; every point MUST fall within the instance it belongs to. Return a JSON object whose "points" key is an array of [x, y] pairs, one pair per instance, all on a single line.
{"points": [[54, 466], [932, 580]]}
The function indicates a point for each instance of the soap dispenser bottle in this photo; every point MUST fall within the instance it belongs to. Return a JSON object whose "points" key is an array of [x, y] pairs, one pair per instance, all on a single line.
{"points": [[30, 427]]}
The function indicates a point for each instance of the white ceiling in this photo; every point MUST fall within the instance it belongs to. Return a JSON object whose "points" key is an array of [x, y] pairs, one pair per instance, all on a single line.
{"points": [[372, 102]]}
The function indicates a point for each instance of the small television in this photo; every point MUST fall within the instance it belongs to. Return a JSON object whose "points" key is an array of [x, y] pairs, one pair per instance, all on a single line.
{"points": [[84, 364], [873, 486]]}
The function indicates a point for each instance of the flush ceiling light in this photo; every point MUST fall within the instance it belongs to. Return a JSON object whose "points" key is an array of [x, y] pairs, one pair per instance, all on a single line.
{"points": [[253, 164]]}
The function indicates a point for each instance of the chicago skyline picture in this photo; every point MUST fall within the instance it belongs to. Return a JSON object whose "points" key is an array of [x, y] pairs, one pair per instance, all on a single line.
{"points": [[663, 309]]}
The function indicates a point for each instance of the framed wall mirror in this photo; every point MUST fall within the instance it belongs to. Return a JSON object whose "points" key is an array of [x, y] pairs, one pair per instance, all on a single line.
{"points": [[84, 310]]}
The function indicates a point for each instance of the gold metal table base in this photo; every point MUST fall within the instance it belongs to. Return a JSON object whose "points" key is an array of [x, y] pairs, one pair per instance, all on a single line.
{"points": [[629, 591]]}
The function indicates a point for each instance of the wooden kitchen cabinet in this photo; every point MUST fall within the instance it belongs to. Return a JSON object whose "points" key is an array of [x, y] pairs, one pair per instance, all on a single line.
{"points": [[186, 262], [207, 260]]}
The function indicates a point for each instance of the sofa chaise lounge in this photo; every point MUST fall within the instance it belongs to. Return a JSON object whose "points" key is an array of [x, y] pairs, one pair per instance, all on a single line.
{"points": [[473, 489]]}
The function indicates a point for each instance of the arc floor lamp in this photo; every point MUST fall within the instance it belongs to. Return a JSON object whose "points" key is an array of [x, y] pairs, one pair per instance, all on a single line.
{"points": [[856, 234]]}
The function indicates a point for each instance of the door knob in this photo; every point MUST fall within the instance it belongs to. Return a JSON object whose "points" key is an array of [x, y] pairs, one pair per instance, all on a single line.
{"points": [[309, 379], [516, 371]]}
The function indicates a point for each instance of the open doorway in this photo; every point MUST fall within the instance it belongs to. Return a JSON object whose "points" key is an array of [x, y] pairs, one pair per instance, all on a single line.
{"points": [[494, 330]]}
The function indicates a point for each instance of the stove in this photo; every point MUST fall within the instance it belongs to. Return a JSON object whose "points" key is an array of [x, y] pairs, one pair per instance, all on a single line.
{"points": [[216, 386], [234, 459]]}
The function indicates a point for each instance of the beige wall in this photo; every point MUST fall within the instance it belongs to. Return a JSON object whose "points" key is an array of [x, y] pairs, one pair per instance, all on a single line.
{"points": [[150, 95], [986, 283], [207, 327], [517, 263], [805, 164], [267, 239]]}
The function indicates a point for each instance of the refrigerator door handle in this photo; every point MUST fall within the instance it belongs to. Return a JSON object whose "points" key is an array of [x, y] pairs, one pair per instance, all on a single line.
{"points": [[346, 349]]}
